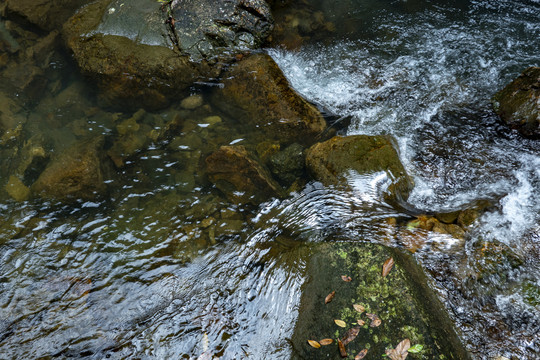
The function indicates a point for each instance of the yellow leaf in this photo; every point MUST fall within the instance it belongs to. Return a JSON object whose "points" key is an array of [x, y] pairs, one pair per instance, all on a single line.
{"points": [[359, 308], [340, 323], [314, 343], [326, 341]]}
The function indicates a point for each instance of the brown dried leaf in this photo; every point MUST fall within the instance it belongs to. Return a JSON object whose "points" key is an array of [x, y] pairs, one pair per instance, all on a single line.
{"points": [[329, 297], [387, 266], [342, 350], [350, 335], [359, 308], [375, 320], [361, 322], [400, 352], [340, 323], [326, 341], [361, 355], [314, 343], [346, 278], [403, 347]]}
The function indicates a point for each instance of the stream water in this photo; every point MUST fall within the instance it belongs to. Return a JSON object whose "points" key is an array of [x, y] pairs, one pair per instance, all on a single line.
{"points": [[165, 268]]}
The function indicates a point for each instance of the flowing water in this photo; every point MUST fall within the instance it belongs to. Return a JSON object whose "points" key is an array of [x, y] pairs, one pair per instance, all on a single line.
{"points": [[165, 267]]}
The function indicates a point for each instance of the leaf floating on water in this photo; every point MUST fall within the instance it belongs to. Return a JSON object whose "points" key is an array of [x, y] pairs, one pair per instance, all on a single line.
{"points": [[342, 350], [350, 335], [387, 266], [326, 341], [416, 348], [361, 322], [340, 323], [346, 278], [375, 320], [329, 297], [314, 343], [400, 352], [359, 308], [361, 355]]}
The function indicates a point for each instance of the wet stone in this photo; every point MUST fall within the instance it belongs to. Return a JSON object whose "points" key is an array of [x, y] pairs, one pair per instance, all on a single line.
{"points": [[192, 102], [16, 189], [518, 104]]}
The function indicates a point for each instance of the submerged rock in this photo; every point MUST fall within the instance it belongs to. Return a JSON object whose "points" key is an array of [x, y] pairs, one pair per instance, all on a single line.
{"points": [[78, 172], [518, 104], [239, 176], [139, 60], [330, 161], [256, 92], [400, 305], [288, 165]]}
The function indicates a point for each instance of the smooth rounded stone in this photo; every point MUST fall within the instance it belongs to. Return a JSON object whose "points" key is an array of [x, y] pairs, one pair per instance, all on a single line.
{"points": [[212, 120], [16, 189], [239, 176], [79, 172], [330, 161], [192, 102], [403, 302], [47, 14], [137, 59], [256, 92], [518, 104]]}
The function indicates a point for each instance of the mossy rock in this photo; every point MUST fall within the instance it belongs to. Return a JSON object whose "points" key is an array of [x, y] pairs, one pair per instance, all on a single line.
{"points": [[47, 14], [518, 104], [403, 301], [256, 92], [330, 161]]}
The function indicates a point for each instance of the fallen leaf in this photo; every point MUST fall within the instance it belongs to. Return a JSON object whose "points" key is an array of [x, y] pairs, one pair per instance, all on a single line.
{"points": [[403, 347], [340, 323], [350, 335], [361, 322], [416, 348], [346, 278], [314, 343], [329, 297], [342, 350], [400, 352], [375, 320], [361, 355], [387, 266], [326, 341], [359, 308]]}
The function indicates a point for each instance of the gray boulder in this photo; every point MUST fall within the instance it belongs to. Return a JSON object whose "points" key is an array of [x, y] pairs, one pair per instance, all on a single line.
{"points": [[144, 54]]}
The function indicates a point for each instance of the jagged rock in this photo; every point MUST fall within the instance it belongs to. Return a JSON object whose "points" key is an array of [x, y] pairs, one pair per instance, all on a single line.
{"points": [[78, 172], [47, 14], [239, 176], [138, 60], [330, 161], [256, 92], [518, 104]]}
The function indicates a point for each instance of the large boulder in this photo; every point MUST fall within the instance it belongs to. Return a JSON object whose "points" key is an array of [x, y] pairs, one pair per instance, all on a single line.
{"points": [[330, 161], [256, 92], [378, 310], [79, 172], [142, 54], [518, 104], [240, 177]]}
